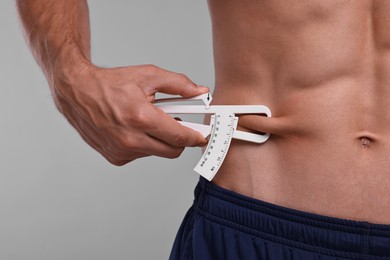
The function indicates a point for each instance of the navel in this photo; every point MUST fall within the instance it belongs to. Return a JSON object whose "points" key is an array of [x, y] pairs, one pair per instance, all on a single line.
{"points": [[365, 142]]}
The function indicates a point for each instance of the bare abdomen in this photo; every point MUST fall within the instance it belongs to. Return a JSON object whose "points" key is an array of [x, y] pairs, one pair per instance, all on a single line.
{"points": [[323, 68]]}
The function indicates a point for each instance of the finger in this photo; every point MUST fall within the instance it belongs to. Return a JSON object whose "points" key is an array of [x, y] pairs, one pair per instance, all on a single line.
{"points": [[168, 130], [176, 84], [146, 145], [83, 128], [92, 137], [109, 152], [153, 146]]}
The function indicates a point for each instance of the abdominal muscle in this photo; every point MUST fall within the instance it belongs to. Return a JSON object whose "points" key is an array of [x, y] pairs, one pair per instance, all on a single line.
{"points": [[330, 129]]}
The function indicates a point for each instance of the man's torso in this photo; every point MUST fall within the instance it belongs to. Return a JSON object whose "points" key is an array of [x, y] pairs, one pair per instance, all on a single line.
{"points": [[323, 68]]}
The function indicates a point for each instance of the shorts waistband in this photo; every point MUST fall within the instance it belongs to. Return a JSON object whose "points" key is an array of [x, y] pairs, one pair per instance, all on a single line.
{"points": [[327, 235]]}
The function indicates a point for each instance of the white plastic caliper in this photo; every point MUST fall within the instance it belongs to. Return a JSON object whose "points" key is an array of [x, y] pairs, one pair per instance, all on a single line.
{"points": [[221, 130]]}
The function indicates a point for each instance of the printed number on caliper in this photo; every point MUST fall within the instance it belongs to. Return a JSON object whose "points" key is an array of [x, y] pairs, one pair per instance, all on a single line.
{"points": [[221, 130]]}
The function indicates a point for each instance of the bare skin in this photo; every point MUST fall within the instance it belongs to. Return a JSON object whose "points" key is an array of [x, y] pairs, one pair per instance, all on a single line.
{"points": [[111, 108], [320, 65], [323, 68]]}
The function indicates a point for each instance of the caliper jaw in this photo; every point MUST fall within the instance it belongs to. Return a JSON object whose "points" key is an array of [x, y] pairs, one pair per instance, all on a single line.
{"points": [[206, 98], [222, 128]]}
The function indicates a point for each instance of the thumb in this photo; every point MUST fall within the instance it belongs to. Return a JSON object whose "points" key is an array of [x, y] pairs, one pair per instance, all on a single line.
{"points": [[178, 84]]}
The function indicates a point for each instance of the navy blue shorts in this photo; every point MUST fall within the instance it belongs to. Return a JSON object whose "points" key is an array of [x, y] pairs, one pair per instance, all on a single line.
{"points": [[222, 224]]}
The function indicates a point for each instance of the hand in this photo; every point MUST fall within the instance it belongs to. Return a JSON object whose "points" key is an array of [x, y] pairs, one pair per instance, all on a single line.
{"points": [[113, 112]]}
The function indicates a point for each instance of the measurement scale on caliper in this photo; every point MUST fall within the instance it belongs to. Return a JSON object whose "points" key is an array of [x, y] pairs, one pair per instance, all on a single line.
{"points": [[221, 130]]}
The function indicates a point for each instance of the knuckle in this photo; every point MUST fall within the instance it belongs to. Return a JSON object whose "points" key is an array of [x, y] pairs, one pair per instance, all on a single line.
{"points": [[114, 161], [119, 163], [139, 117], [126, 151], [183, 78], [151, 68], [128, 143]]}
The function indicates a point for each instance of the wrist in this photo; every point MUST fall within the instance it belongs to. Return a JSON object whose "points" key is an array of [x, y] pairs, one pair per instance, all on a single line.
{"points": [[69, 71]]}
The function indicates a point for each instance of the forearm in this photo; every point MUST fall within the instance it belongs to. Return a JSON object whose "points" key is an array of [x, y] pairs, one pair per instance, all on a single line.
{"points": [[58, 34], [110, 108]]}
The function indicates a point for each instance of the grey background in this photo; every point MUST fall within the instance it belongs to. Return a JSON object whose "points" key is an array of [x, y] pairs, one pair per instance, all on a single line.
{"points": [[59, 199]]}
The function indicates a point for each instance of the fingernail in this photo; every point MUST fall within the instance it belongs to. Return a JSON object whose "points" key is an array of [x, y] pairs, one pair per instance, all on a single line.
{"points": [[203, 87]]}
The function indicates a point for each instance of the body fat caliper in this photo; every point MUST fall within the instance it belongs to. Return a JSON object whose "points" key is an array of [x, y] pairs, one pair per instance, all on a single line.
{"points": [[221, 130]]}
